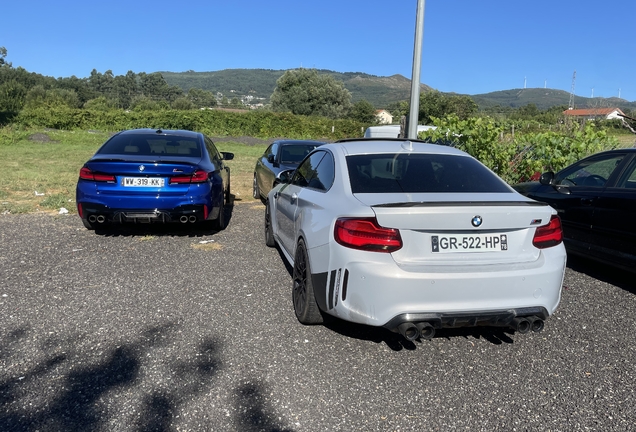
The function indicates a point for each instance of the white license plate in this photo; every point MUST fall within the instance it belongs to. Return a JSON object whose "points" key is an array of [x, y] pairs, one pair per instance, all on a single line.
{"points": [[143, 182], [469, 243]]}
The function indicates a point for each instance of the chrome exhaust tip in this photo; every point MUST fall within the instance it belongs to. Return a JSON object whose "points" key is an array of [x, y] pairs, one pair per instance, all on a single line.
{"points": [[101, 219], [183, 219]]}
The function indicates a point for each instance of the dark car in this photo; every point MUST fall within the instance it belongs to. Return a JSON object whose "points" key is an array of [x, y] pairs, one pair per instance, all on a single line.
{"points": [[147, 175], [596, 199], [280, 156]]}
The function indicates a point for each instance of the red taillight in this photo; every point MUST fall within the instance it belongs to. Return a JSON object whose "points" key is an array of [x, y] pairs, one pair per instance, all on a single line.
{"points": [[199, 176], [548, 235], [366, 234], [87, 174]]}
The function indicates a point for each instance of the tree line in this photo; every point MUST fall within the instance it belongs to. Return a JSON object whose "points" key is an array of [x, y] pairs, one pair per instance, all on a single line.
{"points": [[303, 92]]}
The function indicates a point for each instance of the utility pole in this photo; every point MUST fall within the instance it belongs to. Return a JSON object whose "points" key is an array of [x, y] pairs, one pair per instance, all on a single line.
{"points": [[415, 78], [571, 104]]}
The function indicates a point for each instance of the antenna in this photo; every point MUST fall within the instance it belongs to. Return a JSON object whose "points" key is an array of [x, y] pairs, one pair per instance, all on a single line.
{"points": [[619, 93], [592, 92], [571, 104]]}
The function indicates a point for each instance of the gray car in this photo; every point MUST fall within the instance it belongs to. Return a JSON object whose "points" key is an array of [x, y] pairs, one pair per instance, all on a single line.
{"points": [[281, 155]]}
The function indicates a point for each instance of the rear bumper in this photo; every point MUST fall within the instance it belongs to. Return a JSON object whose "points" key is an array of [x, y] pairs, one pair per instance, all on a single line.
{"points": [[99, 213], [381, 293]]}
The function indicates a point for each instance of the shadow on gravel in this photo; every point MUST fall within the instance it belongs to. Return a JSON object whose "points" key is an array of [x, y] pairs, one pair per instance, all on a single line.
{"points": [[605, 273], [173, 229], [251, 414], [71, 388]]}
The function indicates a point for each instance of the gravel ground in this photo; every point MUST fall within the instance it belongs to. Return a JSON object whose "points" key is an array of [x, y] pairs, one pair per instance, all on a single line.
{"points": [[169, 329]]}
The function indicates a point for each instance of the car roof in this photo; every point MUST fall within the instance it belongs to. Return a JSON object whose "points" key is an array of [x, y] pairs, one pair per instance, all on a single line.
{"points": [[392, 145], [297, 142], [161, 132]]}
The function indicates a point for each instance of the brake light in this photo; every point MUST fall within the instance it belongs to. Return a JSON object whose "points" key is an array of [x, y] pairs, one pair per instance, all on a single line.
{"points": [[87, 174], [199, 176], [548, 235], [366, 234]]}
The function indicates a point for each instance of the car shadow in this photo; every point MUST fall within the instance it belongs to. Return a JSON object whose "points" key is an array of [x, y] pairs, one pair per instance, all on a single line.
{"points": [[174, 229], [603, 272], [395, 341]]}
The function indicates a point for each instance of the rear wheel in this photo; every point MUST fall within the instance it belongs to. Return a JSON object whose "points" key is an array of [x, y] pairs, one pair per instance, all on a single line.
{"points": [[305, 305], [269, 231], [88, 225], [219, 223]]}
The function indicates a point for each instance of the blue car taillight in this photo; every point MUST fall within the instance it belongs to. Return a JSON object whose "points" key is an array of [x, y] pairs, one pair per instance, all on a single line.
{"points": [[199, 176], [87, 174]]}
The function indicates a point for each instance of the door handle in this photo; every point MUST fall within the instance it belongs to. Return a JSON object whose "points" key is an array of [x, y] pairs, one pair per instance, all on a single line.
{"points": [[293, 197]]}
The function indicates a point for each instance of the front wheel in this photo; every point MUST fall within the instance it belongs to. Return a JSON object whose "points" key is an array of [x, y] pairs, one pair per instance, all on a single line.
{"points": [[256, 193], [269, 231], [305, 305]]}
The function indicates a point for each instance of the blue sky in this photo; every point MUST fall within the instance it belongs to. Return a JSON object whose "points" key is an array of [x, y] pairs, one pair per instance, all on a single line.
{"points": [[469, 46]]}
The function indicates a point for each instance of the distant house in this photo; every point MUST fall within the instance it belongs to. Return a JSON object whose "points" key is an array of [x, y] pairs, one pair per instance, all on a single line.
{"points": [[384, 117], [595, 113]]}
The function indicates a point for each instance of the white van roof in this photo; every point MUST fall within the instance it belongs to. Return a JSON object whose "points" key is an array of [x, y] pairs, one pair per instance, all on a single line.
{"points": [[390, 131]]}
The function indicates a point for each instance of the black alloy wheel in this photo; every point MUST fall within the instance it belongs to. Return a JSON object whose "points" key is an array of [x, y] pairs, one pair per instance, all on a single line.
{"points": [[305, 305], [269, 231], [256, 193]]}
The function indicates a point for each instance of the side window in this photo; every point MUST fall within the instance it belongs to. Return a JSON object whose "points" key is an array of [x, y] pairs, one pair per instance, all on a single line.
{"points": [[268, 151], [628, 180], [306, 169], [590, 173], [271, 154], [324, 174], [214, 153]]}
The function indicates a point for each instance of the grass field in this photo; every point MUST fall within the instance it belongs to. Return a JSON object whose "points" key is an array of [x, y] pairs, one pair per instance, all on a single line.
{"points": [[39, 168]]}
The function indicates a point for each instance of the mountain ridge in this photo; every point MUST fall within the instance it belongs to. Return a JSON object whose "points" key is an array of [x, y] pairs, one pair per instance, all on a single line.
{"points": [[259, 84]]}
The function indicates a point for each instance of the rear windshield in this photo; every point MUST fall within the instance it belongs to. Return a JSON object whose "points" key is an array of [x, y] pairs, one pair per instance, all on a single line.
{"points": [[413, 173], [146, 145]]}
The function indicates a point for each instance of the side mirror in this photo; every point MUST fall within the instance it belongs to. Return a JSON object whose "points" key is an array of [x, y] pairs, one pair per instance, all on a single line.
{"points": [[547, 178], [285, 176], [227, 155], [270, 158]]}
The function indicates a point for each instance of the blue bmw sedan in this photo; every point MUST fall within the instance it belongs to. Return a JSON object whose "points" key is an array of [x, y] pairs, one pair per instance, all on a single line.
{"points": [[147, 175]]}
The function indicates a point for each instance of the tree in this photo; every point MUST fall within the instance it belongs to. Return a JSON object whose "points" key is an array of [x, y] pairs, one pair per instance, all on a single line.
{"points": [[434, 104], [364, 112], [3, 55], [305, 92]]}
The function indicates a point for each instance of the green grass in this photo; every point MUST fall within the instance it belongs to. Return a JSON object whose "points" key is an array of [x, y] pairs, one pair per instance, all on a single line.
{"points": [[40, 175]]}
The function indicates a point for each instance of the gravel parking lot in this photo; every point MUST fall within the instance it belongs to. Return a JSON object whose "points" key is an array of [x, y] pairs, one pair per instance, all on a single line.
{"points": [[169, 329]]}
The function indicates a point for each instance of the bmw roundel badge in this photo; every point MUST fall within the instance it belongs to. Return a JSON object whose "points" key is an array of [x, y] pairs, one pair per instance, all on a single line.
{"points": [[141, 167], [476, 221]]}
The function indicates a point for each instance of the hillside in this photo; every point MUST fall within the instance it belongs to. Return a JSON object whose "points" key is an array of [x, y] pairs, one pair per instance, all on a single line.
{"points": [[380, 91], [260, 84]]}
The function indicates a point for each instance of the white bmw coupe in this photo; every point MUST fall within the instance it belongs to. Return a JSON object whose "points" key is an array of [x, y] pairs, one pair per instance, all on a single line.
{"points": [[414, 237]]}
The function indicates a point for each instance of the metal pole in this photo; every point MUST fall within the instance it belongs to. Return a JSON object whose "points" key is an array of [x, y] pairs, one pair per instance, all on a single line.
{"points": [[417, 64]]}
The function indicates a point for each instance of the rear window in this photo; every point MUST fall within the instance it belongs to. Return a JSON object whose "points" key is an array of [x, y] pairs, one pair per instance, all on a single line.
{"points": [[146, 145], [413, 173]]}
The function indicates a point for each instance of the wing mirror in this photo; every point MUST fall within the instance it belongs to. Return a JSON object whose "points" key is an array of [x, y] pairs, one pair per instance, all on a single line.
{"points": [[227, 155], [285, 176], [547, 178], [270, 158]]}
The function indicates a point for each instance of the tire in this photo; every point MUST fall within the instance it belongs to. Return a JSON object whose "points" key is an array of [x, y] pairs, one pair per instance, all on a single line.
{"points": [[88, 225], [219, 223], [256, 192], [305, 305], [269, 231], [228, 194]]}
